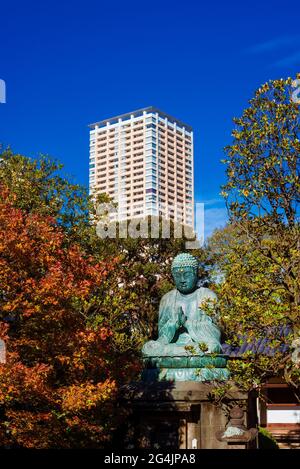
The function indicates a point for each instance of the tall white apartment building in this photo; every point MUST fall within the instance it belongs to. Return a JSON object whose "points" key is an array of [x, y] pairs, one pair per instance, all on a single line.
{"points": [[144, 161]]}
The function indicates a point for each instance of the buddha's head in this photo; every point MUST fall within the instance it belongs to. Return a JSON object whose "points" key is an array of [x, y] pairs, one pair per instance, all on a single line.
{"points": [[185, 272]]}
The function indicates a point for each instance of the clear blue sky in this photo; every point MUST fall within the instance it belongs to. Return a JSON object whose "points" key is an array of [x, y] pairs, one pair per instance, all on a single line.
{"points": [[67, 64]]}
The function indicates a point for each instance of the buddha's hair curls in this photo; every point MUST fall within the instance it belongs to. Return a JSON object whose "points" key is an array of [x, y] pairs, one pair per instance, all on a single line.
{"points": [[184, 259]]}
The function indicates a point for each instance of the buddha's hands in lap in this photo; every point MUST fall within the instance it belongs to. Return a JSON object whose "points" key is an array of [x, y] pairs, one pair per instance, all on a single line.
{"points": [[155, 347], [163, 340]]}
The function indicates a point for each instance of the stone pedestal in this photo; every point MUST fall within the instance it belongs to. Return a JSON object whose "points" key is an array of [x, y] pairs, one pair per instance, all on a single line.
{"points": [[200, 368], [169, 416]]}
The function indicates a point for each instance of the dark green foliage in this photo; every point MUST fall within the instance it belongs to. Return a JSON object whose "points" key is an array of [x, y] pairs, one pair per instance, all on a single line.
{"points": [[266, 440]]}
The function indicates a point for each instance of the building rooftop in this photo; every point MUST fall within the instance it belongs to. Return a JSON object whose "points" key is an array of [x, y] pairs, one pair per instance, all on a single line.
{"points": [[139, 112]]}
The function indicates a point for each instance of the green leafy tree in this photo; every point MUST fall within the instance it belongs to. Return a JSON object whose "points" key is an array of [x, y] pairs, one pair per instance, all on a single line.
{"points": [[136, 288], [258, 255]]}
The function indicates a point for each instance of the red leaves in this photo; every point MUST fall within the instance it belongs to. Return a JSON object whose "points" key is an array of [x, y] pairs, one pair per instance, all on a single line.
{"points": [[57, 368], [3, 331], [36, 268], [20, 384]]}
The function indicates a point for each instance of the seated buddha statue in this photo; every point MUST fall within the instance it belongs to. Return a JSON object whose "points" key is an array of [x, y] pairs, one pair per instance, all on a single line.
{"points": [[181, 321]]}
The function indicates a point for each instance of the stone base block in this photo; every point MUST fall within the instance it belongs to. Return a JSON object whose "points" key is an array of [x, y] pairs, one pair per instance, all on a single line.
{"points": [[186, 374], [180, 415]]}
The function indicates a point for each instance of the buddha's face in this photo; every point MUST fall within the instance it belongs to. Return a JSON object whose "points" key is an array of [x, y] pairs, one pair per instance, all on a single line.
{"points": [[185, 279]]}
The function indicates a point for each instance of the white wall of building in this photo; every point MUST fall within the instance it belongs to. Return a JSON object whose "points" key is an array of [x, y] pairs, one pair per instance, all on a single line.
{"points": [[284, 414]]}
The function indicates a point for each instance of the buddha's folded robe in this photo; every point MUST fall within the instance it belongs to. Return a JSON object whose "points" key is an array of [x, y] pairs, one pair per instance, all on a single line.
{"points": [[182, 322]]}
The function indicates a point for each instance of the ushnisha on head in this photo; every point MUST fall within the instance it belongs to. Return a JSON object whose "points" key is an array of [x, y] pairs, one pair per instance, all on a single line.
{"points": [[185, 272]]}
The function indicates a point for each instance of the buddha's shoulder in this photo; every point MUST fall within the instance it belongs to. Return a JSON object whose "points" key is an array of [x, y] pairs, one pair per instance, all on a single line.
{"points": [[204, 292], [169, 295]]}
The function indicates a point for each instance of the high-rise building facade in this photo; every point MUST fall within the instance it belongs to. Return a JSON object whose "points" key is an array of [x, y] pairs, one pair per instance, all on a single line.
{"points": [[144, 161]]}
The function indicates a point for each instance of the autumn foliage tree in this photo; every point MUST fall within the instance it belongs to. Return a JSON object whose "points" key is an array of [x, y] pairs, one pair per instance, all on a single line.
{"points": [[57, 387]]}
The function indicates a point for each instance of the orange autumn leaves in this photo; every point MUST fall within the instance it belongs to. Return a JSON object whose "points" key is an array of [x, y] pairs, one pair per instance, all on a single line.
{"points": [[58, 374], [87, 396], [35, 264]]}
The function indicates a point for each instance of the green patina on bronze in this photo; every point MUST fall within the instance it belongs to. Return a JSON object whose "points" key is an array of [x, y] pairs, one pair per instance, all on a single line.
{"points": [[193, 361], [182, 327]]}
